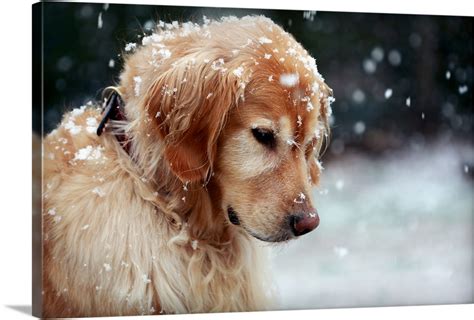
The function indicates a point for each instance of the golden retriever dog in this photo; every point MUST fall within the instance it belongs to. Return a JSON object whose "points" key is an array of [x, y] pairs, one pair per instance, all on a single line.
{"points": [[217, 147]]}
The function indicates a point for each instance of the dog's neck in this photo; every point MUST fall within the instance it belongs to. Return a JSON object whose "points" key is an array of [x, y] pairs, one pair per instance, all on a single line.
{"points": [[195, 204]]}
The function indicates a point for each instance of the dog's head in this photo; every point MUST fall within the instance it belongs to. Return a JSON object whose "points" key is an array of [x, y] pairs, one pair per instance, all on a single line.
{"points": [[239, 104]]}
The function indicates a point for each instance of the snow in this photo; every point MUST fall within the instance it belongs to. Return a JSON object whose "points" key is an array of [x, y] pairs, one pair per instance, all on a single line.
{"points": [[98, 192], [300, 199], [267, 56], [270, 78], [319, 165], [194, 244], [299, 121], [100, 21], [341, 252], [358, 96], [52, 211], [185, 186], [309, 15], [85, 227], [209, 95], [369, 66], [107, 267], [339, 184], [78, 111], [89, 153], [388, 93], [72, 127], [377, 54], [138, 83], [264, 40], [238, 72], [423, 115], [448, 75], [91, 124], [408, 102], [398, 233], [111, 63], [309, 107], [289, 79], [130, 46], [462, 89], [394, 58], [146, 279], [165, 53], [359, 127]]}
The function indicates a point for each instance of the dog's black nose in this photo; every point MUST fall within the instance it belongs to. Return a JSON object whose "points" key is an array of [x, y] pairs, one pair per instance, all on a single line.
{"points": [[302, 223]]}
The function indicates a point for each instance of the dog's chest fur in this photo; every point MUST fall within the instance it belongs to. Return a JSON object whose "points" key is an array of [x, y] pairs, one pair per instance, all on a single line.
{"points": [[109, 249]]}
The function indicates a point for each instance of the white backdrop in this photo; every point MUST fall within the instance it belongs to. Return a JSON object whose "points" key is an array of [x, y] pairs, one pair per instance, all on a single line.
{"points": [[15, 163]]}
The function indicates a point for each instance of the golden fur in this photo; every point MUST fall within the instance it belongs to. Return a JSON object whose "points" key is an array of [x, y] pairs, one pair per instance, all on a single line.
{"points": [[147, 232]]}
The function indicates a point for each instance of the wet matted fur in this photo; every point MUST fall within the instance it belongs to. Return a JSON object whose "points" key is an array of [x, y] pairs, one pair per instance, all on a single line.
{"points": [[148, 231]]}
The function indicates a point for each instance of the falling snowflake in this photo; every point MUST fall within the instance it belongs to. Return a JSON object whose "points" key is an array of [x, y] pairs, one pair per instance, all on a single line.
{"points": [[359, 127], [145, 278], [99, 21], [341, 252], [72, 127], [309, 15], [369, 66], [91, 124], [138, 83], [377, 54], [88, 153], [394, 58], [111, 63], [238, 72], [98, 192], [358, 96], [289, 79], [462, 89], [388, 93], [448, 75], [264, 40], [130, 46], [300, 199], [408, 102]]}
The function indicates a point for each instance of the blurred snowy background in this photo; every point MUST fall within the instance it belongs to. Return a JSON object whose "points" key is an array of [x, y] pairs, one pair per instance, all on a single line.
{"points": [[396, 200]]}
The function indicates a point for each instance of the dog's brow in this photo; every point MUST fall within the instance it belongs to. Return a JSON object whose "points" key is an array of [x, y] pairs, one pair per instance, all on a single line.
{"points": [[263, 123]]}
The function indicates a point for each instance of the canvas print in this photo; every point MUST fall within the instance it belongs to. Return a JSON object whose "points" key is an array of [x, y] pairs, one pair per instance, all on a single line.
{"points": [[217, 160]]}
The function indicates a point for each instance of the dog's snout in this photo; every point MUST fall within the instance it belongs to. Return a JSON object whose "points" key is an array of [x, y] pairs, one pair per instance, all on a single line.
{"points": [[302, 223]]}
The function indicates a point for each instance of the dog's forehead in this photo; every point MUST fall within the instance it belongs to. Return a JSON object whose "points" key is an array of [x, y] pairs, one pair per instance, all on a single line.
{"points": [[292, 110]]}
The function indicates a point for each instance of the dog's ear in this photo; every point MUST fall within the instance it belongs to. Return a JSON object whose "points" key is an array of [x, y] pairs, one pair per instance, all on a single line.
{"points": [[189, 104]]}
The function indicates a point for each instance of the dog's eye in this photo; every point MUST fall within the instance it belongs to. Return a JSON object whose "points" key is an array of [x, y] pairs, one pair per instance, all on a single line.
{"points": [[264, 136]]}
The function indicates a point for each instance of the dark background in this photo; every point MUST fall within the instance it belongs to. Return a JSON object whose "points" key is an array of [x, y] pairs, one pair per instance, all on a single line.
{"points": [[411, 55]]}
